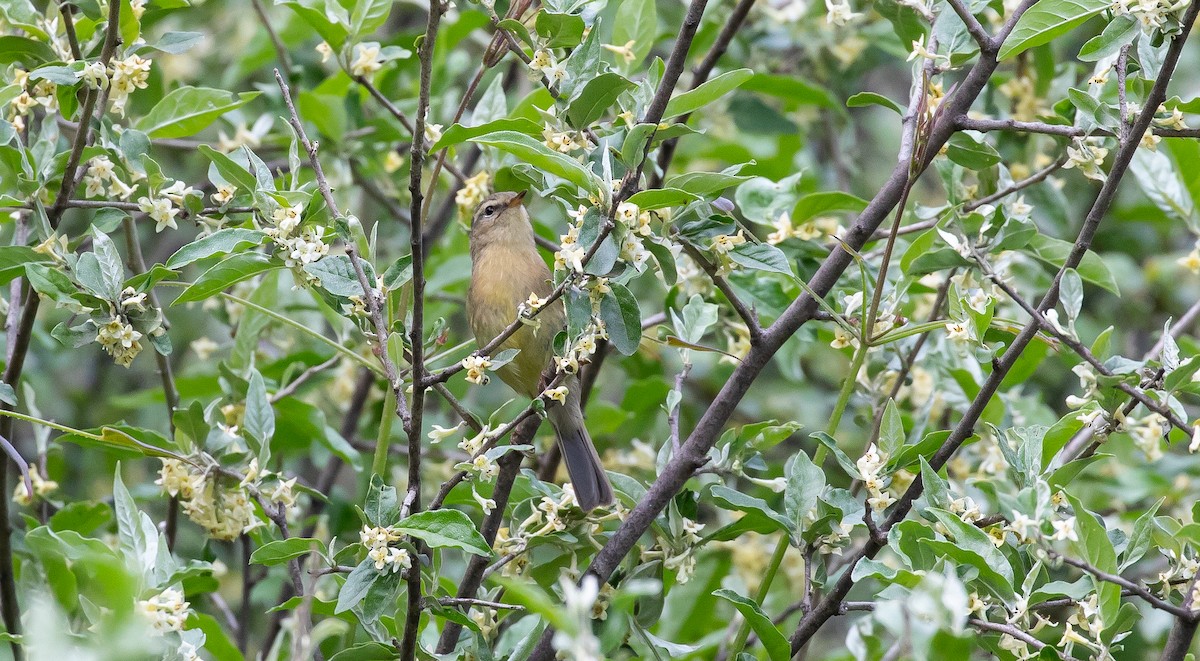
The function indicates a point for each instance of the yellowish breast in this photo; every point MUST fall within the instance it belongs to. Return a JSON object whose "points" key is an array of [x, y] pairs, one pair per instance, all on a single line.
{"points": [[502, 277]]}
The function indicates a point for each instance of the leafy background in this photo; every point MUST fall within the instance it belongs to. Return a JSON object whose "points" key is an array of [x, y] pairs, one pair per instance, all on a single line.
{"points": [[797, 127]]}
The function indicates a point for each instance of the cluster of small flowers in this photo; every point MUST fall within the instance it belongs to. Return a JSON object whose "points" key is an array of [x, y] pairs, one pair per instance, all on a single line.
{"points": [[473, 190], [100, 171], [812, 230], [549, 516], [869, 466], [1151, 14], [1147, 433], [296, 249], [681, 559], [1087, 156], [543, 63], [571, 253], [166, 611], [722, 245], [42, 487], [306, 248], [119, 340], [1025, 103], [565, 142], [477, 367], [127, 75], [583, 349], [480, 463], [1180, 571], [386, 557], [226, 512], [579, 643], [44, 93], [162, 208]]}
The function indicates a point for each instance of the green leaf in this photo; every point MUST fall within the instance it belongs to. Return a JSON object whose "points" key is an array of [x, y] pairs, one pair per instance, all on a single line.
{"points": [[1118, 33], [111, 268], [970, 153], [864, 99], [560, 30], [176, 42], [383, 504], [816, 204], [707, 183], [326, 23], [445, 528], [232, 270], [757, 511], [659, 198], [282, 550], [188, 110], [891, 429], [540, 156], [457, 133], [1055, 251], [234, 173], [25, 50], [13, 260], [225, 241], [1094, 544], [973, 547], [694, 99], [761, 257], [792, 90], [59, 75], [805, 484], [636, 21], [596, 97], [773, 641], [337, 275], [1047, 20], [259, 419], [136, 533], [367, 15], [622, 319], [358, 582]]}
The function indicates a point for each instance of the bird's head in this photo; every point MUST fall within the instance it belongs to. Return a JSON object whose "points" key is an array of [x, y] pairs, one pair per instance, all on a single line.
{"points": [[500, 217]]}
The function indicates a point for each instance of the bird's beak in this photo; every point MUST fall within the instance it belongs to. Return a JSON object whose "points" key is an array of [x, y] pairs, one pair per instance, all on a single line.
{"points": [[516, 201]]}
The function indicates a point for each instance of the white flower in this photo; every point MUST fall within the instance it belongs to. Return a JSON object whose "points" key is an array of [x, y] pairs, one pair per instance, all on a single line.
{"points": [[558, 394], [439, 433], [625, 52], [572, 256], [1064, 529], [177, 191], [433, 133], [367, 60], [94, 75], [167, 611], [224, 194], [627, 213], [958, 332], [476, 367], [722, 244], [1191, 261], [287, 219], [325, 50], [1087, 157], [161, 211], [839, 12], [919, 50]]}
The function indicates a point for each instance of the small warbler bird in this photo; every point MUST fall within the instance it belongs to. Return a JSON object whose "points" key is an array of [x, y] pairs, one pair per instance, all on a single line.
{"points": [[505, 269]]}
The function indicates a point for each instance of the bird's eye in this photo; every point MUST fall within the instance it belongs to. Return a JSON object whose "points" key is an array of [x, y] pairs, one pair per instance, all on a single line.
{"points": [[489, 210]]}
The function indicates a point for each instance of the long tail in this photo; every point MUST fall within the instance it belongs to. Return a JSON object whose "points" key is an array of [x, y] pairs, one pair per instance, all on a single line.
{"points": [[583, 464]]}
